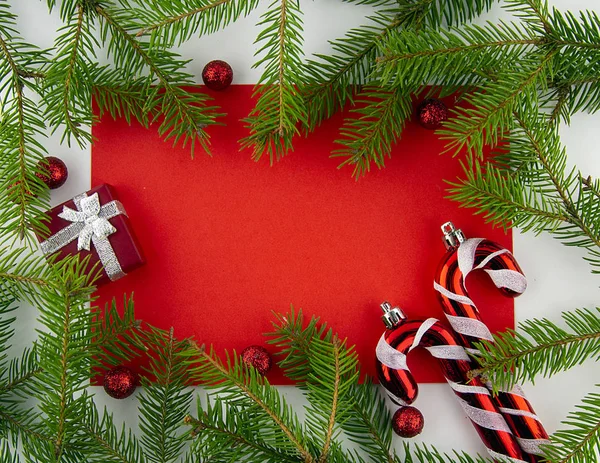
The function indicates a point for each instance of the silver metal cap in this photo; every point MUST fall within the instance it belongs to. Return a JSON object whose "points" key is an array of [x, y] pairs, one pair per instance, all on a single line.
{"points": [[452, 236], [392, 316]]}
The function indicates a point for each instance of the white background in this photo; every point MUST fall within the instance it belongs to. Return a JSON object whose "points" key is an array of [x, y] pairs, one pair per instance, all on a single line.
{"points": [[559, 279]]}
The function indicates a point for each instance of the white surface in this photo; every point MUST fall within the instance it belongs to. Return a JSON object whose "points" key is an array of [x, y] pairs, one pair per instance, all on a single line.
{"points": [[558, 278]]}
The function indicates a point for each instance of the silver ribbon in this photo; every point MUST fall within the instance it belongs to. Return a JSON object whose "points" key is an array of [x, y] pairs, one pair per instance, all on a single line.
{"points": [[90, 225]]}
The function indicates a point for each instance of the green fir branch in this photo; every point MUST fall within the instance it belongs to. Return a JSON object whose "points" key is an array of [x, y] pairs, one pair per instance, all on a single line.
{"points": [[221, 431], [110, 444], [23, 196], [170, 23], [333, 80], [280, 109], [183, 113], [579, 443], [365, 417], [166, 400], [427, 454], [540, 347], [370, 137], [22, 274], [67, 85], [490, 113], [452, 58], [245, 388], [118, 338], [6, 454]]}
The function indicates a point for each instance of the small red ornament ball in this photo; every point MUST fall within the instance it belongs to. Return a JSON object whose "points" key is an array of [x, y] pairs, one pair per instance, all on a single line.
{"points": [[120, 382], [217, 75], [257, 357], [407, 422], [431, 113], [53, 172]]}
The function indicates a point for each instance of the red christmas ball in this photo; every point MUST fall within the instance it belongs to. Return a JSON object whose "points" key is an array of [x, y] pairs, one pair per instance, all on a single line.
{"points": [[53, 172], [407, 422], [257, 357], [431, 113], [217, 75], [120, 382]]}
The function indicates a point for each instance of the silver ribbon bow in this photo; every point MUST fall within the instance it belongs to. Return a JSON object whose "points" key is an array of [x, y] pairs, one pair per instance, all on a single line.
{"points": [[90, 226]]}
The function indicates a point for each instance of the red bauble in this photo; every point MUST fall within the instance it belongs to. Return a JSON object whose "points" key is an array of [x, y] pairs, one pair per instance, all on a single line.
{"points": [[217, 75], [257, 357], [53, 172], [120, 382], [431, 113], [407, 422]]}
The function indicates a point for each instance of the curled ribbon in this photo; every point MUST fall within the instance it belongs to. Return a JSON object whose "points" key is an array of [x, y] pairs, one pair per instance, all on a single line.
{"points": [[90, 225]]}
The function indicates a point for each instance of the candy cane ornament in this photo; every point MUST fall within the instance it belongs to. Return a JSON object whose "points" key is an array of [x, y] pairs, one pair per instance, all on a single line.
{"points": [[402, 337], [463, 257]]}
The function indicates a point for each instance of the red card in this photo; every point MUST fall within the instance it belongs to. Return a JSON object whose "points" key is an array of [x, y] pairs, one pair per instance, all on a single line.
{"points": [[228, 240]]}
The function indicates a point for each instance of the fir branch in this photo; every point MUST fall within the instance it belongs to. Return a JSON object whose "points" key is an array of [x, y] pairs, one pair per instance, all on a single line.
{"points": [[229, 382], [493, 106], [175, 22], [293, 338], [368, 423], [118, 338], [533, 12], [335, 398], [166, 400], [369, 138], [427, 454], [365, 417], [333, 80], [111, 445], [67, 85], [22, 424], [19, 378], [22, 274], [504, 201], [63, 354], [453, 57], [185, 112], [274, 120], [120, 96], [583, 221], [6, 455], [333, 372], [23, 197], [540, 347], [579, 443], [217, 430]]}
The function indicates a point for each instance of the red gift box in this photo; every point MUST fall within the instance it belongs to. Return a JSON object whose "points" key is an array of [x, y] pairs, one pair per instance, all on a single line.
{"points": [[94, 223]]}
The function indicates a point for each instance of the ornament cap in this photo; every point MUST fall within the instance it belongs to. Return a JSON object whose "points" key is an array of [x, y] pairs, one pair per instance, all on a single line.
{"points": [[453, 237], [392, 316]]}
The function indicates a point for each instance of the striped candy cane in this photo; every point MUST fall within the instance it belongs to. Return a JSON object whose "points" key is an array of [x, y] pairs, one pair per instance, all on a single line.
{"points": [[464, 256], [404, 336]]}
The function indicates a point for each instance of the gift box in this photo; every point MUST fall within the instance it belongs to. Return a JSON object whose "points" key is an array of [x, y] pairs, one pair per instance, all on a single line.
{"points": [[94, 223]]}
